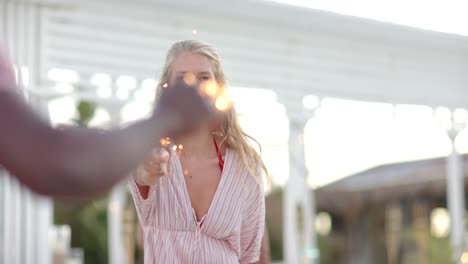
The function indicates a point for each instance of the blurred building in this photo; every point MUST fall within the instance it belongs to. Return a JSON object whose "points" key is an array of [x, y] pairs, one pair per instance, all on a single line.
{"points": [[391, 214]]}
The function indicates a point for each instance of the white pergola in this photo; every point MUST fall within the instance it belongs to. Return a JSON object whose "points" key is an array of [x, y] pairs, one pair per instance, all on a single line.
{"points": [[292, 51]]}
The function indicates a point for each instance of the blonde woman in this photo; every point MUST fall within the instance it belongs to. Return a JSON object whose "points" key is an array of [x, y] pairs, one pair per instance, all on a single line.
{"points": [[207, 205]]}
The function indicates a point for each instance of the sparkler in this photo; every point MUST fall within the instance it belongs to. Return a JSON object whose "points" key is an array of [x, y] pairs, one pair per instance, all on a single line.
{"points": [[165, 143], [190, 78], [209, 88], [223, 102]]}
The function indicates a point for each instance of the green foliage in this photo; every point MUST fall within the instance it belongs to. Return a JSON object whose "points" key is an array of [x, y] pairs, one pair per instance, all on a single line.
{"points": [[332, 248], [276, 245], [438, 251], [86, 111], [88, 223]]}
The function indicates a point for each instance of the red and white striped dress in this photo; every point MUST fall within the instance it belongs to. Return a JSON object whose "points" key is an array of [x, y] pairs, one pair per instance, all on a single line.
{"points": [[230, 232]]}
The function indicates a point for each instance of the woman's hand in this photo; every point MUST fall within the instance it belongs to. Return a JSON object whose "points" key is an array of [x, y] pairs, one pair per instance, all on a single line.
{"points": [[153, 168]]}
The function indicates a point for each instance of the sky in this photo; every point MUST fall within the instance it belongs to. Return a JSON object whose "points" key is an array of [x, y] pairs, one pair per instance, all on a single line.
{"points": [[348, 136], [447, 16]]}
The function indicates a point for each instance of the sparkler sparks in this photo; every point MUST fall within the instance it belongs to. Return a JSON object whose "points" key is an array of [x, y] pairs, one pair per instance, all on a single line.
{"points": [[223, 103], [190, 78]]}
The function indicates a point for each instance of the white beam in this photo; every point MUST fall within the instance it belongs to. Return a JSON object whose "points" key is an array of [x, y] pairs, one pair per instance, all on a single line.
{"points": [[371, 61], [456, 198], [298, 194]]}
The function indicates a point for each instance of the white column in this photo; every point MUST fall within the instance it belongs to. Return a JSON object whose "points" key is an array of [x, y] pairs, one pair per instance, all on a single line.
{"points": [[7, 219], [15, 244], [290, 242], [456, 197], [12, 37], [311, 252], [26, 218], [43, 224], [297, 194], [115, 207], [29, 230], [114, 216], [31, 211]]}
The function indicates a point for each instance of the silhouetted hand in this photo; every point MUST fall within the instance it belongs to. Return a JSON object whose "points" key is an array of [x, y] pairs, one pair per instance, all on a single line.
{"points": [[181, 108], [7, 74]]}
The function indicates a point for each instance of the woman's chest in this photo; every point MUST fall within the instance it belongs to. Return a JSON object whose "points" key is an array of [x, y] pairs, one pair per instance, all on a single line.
{"points": [[202, 180]]}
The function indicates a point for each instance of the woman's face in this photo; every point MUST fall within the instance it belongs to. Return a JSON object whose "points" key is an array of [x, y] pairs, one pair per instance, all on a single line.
{"points": [[192, 68]]}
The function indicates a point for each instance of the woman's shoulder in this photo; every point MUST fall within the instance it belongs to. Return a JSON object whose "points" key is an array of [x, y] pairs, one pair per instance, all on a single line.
{"points": [[240, 170]]}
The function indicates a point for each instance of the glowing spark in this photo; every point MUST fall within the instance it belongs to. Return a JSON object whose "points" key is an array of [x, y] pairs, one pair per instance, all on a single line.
{"points": [[190, 78], [222, 103], [181, 147], [164, 85], [211, 89], [464, 257], [165, 142], [194, 31], [174, 148]]}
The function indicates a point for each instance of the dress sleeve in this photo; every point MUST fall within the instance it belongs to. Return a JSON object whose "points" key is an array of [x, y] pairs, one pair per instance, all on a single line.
{"points": [[253, 225], [144, 207]]}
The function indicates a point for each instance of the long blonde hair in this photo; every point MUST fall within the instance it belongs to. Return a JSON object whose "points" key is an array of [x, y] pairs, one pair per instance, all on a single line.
{"points": [[229, 132]]}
